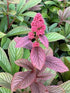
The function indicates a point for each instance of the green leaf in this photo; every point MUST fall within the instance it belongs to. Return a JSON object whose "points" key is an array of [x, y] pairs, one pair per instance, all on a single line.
{"points": [[20, 5], [14, 54], [52, 27], [66, 86], [1, 2], [14, 1], [19, 30], [50, 3], [66, 75], [26, 53], [53, 36], [30, 4], [4, 62], [67, 29], [65, 47], [29, 14], [2, 34], [5, 42], [20, 18], [4, 90], [12, 12], [5, 80], [3, 24]]}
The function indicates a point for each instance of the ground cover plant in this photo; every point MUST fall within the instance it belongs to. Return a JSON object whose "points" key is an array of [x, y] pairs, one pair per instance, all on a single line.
{"points": [[34, 46]]}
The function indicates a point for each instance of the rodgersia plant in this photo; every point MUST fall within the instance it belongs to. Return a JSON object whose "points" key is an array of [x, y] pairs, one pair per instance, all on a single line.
{"points": [[36, 75]]}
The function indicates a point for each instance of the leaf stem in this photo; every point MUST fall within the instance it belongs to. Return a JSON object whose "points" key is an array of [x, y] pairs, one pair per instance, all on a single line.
{"points": [[7, 13], [11, 22], [59, 23]]}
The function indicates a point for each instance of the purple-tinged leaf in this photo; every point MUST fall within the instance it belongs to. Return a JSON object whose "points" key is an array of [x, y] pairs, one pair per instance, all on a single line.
{"points": [[38, 88], [23, 42], [68, 14], [38, 57], [67, 21], [55, 89], [24, 63], [44, 40], [55, 64], [44, 76], [60, 13], [22, 80], [66, 11], [37, 7], [49, 52]]}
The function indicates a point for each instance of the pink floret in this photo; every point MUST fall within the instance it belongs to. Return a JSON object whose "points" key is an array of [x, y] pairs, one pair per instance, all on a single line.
{"points": [[31, 35], [36, 44], [38, 25]]}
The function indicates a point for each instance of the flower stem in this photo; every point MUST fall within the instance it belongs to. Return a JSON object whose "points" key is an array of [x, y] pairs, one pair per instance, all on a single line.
{"points": [[37, 38]]}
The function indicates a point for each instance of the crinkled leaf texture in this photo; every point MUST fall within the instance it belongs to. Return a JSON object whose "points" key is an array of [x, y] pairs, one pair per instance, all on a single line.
{"points": [[23, 42], [38, 88], [55, 89], [44, 40], [48, 51], [22, 80], [38, 57], [55, 64], [42, 76], [64, 15], [24, 63]]}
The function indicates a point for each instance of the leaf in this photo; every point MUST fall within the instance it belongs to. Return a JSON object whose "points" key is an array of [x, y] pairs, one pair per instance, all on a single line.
{"points": [[14, 1], [38, 57], [20, 5], [14, 54], [55, 64], [24, 42], [55, 89], [38, 88], [3, 24], [53, 36], [64, 47], [22, 80], [44, 40], [50, 80], [24, 63], [5, 42], [67, 29], [5, 80], [66, 12], [30, 4], [48, 52], [4, 90], [44, 76], [29, 14], [4, 62], [50, 2], [2, 34], [66, 75], [12, 12], [20, 18], [18, 31], [26, 53], [52, 27], [66, 86]]}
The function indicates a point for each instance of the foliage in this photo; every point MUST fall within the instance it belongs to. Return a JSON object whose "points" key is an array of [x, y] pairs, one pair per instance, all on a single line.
{"points": [[34, 46]]}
